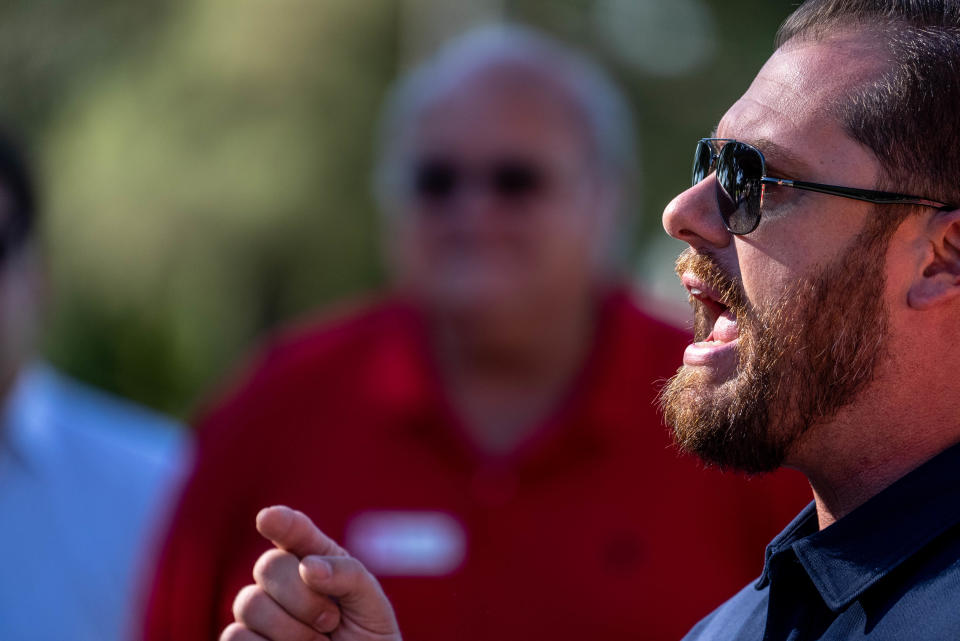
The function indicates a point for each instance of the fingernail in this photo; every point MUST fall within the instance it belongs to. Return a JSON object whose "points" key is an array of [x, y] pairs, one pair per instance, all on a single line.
{"points": [[316, 568]]}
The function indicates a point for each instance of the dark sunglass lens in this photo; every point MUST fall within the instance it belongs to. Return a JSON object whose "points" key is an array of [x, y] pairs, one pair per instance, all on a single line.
{"points": [[702, 159], [739, 169], [436, 179], [515, 179]]}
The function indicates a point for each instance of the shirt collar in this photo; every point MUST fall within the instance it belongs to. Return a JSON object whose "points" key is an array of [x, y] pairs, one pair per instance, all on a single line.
{"points": [[404, 381], [848, 557]]}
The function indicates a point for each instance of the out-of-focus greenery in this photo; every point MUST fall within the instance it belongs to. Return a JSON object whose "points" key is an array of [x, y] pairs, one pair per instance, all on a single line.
{"points": [[205, 163]]}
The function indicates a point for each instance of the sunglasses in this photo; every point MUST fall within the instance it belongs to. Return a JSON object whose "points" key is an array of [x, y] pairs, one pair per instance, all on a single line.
{"points": [[741, 178], [510, 180]]}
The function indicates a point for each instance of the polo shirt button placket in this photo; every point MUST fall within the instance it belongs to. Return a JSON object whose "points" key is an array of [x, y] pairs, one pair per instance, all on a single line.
{"points": [[493, 488]]}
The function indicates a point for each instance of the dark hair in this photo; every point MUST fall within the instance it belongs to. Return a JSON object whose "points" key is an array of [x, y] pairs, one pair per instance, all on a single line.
{"points": [[907, 113], [17, 181]]}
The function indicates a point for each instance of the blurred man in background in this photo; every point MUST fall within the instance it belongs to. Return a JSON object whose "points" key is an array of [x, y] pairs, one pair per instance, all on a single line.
{"points": [[499, 406], [79, 471]]}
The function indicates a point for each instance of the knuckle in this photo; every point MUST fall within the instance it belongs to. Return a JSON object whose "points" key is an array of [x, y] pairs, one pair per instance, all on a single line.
{"points": [[249, 602], [271, 563], [234, 632], [242, 599], [356, 571]]}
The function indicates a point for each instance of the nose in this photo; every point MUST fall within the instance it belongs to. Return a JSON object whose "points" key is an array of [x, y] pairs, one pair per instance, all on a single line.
{"points": [[469, 203], [476, 202], [694, 218]]}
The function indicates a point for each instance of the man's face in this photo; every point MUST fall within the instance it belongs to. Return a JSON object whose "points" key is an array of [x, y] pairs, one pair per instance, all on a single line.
{"points": [[500, 215], [790, 319]]}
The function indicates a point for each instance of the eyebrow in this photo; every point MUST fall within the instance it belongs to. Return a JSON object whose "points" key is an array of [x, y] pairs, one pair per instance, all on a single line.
{"points": [[779, 159]]}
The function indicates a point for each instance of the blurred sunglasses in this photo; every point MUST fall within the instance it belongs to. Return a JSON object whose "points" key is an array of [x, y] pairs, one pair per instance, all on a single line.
{"points": [[741, 178], [508, 179]]}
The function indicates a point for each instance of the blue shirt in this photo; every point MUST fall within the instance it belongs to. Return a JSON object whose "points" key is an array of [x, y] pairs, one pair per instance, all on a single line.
{"points": [[888, 570], [85, 482]]}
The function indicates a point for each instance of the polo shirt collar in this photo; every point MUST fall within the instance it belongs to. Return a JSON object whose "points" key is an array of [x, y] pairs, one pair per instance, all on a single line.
{"points": [[406, 383], [851, 555]]}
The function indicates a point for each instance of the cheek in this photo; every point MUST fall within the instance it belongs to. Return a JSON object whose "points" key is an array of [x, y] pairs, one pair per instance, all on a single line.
{"points": [[406, 246], [773, 259], [423, 235], [809, 237], [764, 278]]}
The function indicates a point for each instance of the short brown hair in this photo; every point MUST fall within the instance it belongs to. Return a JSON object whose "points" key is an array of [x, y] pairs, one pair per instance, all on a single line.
{"points": [[909, 114]]}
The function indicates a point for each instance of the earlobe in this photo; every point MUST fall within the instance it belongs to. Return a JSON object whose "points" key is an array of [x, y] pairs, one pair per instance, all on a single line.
{"points": [[940, 280]]}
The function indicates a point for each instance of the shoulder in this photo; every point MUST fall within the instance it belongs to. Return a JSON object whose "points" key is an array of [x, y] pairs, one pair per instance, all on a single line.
{"points": [[346, 332], [107, 467], [101, 475], [343, 332], [332, 354], [98, 435], [911, 596], [743, 616]]}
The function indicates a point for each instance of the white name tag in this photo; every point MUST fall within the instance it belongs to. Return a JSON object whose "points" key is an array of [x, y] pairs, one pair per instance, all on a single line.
{"points": [[407, 543]]}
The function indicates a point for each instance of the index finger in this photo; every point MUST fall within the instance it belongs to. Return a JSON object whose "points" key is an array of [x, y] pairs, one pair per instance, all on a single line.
{"points": [[294, 532]]}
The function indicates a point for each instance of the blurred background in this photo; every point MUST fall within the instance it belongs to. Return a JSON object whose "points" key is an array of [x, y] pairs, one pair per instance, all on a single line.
{"points": [[205, 164]]}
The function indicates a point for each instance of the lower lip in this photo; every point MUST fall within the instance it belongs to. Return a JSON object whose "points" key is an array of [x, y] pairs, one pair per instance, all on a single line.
{"points": [[710, 353]]}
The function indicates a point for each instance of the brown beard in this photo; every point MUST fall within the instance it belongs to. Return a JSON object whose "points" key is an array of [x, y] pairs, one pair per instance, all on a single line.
{"points": [[800, 361]]}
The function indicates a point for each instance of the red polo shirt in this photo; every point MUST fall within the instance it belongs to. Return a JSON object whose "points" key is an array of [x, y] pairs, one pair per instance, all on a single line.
{"points": [[595, 529]]}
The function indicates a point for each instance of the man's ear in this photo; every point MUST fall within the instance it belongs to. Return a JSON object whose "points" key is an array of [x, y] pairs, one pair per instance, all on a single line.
{"points": [[940, 280]]}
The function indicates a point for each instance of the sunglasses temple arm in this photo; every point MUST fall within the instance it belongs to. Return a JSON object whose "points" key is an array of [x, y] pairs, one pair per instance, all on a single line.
{"points": [[867, 195]]}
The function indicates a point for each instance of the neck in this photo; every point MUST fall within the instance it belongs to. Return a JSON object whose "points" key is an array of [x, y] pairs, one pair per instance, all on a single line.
{"points": [[869, 446], [8, 378], [503, 379]]}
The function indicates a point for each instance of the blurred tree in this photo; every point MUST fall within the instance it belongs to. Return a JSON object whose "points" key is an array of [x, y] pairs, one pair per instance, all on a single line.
{"points": [[212, 185], [49, 49]]}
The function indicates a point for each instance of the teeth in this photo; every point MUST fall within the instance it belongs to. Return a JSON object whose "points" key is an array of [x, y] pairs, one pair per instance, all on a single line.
{"points": [[696, 292]]}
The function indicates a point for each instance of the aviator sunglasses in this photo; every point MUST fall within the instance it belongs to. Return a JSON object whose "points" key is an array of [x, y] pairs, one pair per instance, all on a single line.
{"points": [[741, 177], [510, 180]]}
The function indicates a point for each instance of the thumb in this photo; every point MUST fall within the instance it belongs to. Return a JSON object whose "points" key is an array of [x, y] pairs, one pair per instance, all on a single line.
{"points": [[294, 532]]}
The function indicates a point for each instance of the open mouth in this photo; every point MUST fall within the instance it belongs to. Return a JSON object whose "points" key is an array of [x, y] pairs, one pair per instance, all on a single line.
{"points": [[713, 315]]}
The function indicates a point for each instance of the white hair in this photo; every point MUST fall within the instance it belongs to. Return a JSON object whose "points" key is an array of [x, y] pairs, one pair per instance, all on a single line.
{"points": [[608, 126]]}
